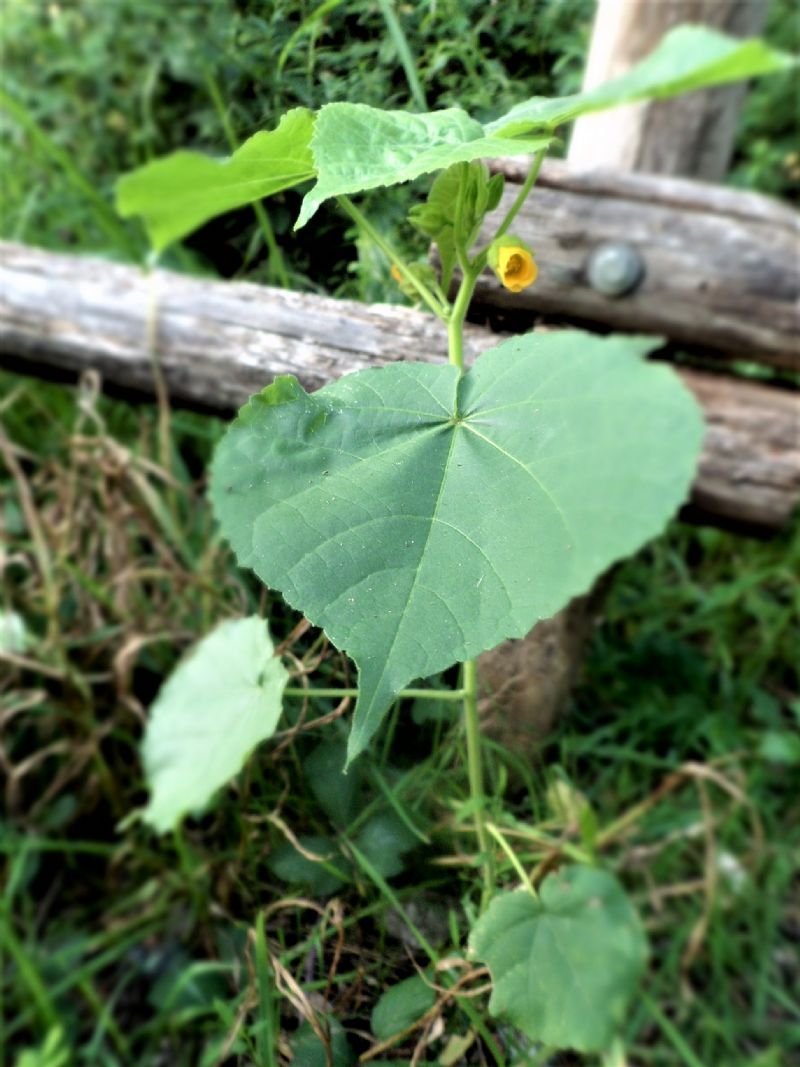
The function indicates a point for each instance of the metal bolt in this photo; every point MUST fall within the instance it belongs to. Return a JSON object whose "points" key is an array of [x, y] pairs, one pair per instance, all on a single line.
{"points": [[614, 268]]}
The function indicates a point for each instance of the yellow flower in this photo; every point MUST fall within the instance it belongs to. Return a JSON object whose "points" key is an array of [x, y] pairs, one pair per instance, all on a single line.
{"points": [[516, 268], [395, 273]]}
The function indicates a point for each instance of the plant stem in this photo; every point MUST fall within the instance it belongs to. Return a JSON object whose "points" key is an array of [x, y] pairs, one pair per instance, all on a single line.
{"points": [[475, 772], [441, 310], [512, 858], [522, 195], [469, 683], [404, 54], [455, 324], [404, 694], [276, 262]]}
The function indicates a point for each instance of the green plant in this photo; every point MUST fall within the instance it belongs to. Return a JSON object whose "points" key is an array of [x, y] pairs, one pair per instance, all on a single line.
{"points": [[358, 502]]}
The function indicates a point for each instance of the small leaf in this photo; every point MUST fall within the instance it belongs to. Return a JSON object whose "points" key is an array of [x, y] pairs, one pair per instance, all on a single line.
{"points": [[564, 966], [687, 58], [336, 793], [309, 1051], [465, 190], [384, 840], [420, 518], [780, 746], [212, 711], [401, 1006], [456, 1048], [180, 192], [319, 877], [357, 147], [14, 635]]}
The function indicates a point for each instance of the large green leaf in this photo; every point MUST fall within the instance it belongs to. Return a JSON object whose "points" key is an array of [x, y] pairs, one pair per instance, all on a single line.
{"points": [[210, 714], [421, 519], [687, 58], [180, 192], [357, 147], [564, 966]]}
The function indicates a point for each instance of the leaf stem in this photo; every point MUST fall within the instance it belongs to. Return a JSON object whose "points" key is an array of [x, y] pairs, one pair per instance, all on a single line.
{"points": [[522, 195], [455, 323], [440, 309], [404, 694], [277, 265], [512, 858], [475, 773]]}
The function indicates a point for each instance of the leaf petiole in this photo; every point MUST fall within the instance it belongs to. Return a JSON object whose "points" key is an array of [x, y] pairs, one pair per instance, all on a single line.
{"points": [[512, 858], [404, 694], [522, 195], [438, 307]]}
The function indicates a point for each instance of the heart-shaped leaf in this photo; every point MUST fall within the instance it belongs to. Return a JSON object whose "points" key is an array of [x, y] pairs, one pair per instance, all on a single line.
{"points": [[687, 58], [421, 518], [180, 192], [564, 966], [357, 147], [210, 714]]}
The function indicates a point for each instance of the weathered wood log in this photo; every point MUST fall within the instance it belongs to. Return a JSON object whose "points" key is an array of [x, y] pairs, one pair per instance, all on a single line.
{"points": [[720, 267], [692, 135], [218, 342]]}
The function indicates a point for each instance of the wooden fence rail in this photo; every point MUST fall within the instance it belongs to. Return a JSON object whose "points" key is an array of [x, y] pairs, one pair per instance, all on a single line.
{"points": [[218, 342]]}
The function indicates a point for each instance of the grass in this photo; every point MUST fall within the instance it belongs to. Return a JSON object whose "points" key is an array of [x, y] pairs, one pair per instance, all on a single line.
{"points": [[232, 942], [140, 950]]}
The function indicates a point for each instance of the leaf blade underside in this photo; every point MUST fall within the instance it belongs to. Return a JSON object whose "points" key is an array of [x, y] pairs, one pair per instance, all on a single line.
{"points": [[357, 147], [179, 192], [687, 58]]}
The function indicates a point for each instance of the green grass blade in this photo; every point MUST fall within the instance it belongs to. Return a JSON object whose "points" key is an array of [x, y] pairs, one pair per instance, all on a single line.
{"points": [[404, 54]]}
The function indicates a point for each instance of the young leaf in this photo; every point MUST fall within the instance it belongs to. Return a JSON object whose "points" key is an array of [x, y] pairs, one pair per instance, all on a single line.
{"points": [[309, 1051], [463, 190], [564, 966], [180, 192], [384, 840], [336, 794], [210, 714], [421, 518], [357, 147], [400, 1007], [687, 58], [317, 876]]}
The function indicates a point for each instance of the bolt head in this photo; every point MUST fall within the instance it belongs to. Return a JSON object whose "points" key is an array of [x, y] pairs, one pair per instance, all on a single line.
{"points": [[614, 268]]}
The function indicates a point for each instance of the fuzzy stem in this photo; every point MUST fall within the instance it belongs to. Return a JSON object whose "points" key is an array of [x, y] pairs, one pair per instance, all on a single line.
{"points": [[472, 732], [434, 303], [404, 694], [522, 195], [455, 338], [455, 324]]}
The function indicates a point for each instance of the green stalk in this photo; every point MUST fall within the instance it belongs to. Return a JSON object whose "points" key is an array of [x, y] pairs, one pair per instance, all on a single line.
{"points": [[276, 261], [404, 54], [455, 323], [439, 309], [472, 730], [522, 195], [404, 694]]}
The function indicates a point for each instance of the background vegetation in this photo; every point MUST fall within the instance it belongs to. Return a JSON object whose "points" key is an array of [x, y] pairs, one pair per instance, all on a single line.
{"points": [[679, 758]]}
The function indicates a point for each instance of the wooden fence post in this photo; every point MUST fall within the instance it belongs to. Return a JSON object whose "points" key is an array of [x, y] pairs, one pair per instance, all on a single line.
{"points": [[692, 135]]}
